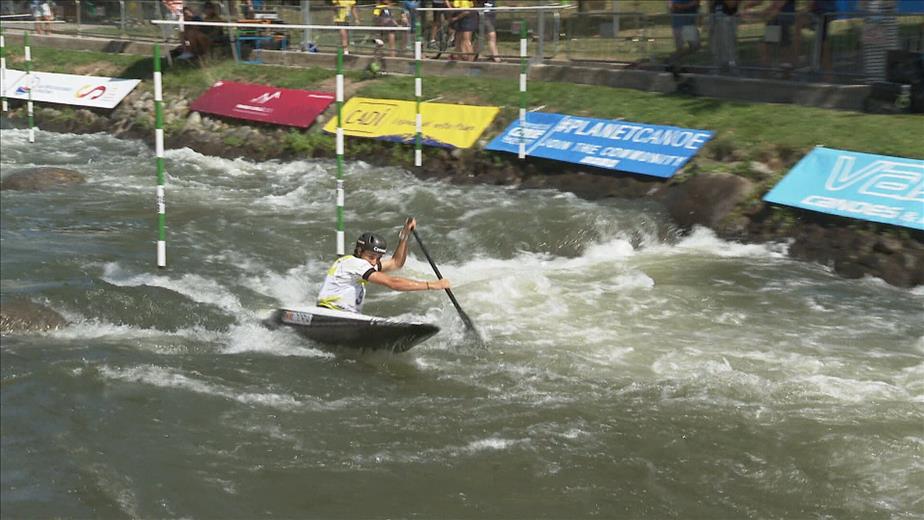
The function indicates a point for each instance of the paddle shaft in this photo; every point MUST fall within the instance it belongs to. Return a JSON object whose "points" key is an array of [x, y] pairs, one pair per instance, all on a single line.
{"points": [[465, 319]]}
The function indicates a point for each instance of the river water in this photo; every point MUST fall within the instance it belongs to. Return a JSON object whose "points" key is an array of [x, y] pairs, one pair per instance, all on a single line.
{"points": [[629, 371]]}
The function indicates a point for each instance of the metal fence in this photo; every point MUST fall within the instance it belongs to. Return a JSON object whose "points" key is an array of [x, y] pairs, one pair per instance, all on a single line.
{"points": [[843, 47]]}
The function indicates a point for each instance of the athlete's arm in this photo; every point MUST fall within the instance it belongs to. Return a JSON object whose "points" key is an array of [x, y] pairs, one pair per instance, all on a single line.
{"points": [[396, 283], [396, 261]]}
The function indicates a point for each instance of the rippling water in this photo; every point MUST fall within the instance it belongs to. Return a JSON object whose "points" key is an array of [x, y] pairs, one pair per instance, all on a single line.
{"points": [[629, 372]]}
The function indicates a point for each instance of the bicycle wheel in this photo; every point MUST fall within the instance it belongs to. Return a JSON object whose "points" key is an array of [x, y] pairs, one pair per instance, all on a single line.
{"points": [[442, 40]]}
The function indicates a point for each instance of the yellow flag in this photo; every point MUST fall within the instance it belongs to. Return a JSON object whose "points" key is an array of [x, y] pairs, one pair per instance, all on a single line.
{"points": [[444, 124]]}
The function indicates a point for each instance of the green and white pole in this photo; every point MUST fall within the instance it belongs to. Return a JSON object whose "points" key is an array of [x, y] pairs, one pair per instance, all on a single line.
{"points": [[3, 105], [340, 197], [159, 153], [29, 84], [523, 68], [418, 93]]}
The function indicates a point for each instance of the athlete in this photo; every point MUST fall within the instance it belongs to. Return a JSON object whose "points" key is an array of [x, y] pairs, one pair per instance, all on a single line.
{"points": [[344, 288]]}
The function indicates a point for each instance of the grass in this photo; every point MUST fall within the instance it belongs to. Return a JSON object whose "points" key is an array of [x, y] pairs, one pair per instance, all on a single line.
{"points": [[752, 128]]}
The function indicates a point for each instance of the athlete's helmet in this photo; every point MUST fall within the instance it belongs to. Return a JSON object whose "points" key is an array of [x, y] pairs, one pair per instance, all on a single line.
{"points": [[371, 242]]}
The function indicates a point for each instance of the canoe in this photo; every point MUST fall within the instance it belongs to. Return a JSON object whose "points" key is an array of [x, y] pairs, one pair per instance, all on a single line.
{"points": [[348, 329]]}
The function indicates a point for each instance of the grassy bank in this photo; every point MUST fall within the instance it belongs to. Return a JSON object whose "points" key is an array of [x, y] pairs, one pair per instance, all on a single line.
{"points": [[747, 130]]}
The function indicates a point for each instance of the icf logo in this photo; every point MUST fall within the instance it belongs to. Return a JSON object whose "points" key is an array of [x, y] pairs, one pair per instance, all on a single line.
{"points": [[91, 92]]}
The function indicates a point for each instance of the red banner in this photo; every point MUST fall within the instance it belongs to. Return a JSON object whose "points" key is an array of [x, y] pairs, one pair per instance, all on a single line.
{"points": [[280, 106]]}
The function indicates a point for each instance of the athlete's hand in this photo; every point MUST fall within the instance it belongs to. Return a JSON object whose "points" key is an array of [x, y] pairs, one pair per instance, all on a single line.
{"points": [[440, 284], [409, 225]]}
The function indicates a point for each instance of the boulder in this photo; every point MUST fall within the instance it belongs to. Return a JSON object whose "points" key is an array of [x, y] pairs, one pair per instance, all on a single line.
{"points": [[22, 315], [705, 199], [42, 178]]}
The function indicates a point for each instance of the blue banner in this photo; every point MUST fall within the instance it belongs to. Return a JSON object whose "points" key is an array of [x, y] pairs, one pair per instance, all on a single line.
{"points": [[605, 143], [863, 186]]}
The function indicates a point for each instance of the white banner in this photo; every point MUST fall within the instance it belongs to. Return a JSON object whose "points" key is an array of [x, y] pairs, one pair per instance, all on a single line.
{"points": [[69, 89]]}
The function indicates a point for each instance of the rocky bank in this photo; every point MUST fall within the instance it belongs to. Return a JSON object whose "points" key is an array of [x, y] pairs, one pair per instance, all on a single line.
{"points": [[721, 189]]}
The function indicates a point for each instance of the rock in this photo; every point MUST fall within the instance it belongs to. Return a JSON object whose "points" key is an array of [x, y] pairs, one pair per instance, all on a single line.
{"points": [[193, 121], [761, 168], [43, 178], [22, 315], [888, 245], [705, 199]]}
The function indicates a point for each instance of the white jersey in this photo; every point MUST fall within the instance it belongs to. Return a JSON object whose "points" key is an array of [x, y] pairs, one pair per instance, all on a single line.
{"points": [[344, 287]]}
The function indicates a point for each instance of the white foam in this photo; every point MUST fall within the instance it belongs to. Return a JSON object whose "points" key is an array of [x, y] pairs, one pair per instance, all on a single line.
{"points": [[254, 337], [166, 378], [704, 241], [193, 286]]}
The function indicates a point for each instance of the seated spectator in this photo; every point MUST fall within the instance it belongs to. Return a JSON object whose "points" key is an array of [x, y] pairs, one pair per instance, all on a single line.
{"points": [[195, 43], [211, 13]]}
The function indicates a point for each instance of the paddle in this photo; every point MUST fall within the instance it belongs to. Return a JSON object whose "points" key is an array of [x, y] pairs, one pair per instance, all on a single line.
{"points": [[469, 326]]}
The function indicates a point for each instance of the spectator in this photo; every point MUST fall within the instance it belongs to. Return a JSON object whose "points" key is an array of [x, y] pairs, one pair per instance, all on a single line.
{"points": [[683, 23], [409, 18], [780, 16], [346, 12], [438, 18], [724, 33], [818, 15], [193, 44], [490, 28], [464, 23], [174, 9], [43, 14], [250, 7], [384, 15], [211, 13]]}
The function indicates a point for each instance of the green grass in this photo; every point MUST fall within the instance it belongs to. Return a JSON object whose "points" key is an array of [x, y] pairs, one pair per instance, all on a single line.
{"points": [[743, 125], [748, 127]]}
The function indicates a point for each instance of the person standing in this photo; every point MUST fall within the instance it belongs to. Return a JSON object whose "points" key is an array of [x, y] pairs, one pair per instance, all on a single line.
{"points": [[490, 28], [344, 287], [684, 15], [465, 24], [384, 16], [345, 13], [438, 18], [724, 34]]}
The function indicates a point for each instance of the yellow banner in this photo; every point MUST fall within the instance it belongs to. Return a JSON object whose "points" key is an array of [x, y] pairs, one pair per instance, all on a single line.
{"points": [[444, 124]]}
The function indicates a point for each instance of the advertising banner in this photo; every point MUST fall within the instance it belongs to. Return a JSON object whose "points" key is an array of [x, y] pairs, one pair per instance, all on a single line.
{"points": [[863, 186], [263, 103], [605, 143], [68, 89], [444, 124]]}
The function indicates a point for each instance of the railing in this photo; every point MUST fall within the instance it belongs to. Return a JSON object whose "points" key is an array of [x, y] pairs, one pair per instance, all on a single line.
{"points": [[844, 47]]}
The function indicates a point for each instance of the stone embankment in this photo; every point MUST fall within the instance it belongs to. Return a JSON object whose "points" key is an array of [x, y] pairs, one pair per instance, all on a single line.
{"points": [[703, 194]]}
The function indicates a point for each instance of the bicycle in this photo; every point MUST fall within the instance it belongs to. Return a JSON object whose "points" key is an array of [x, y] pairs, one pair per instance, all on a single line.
{"points": [[445, 40]]}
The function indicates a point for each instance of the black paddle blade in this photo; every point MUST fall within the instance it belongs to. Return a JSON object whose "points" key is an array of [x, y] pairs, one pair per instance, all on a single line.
{"points": [[470, 329]]}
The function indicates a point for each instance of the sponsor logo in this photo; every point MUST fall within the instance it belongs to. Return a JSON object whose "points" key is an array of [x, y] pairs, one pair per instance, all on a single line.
{"points": [[852, 206], [297, 318], [882, 178], [266, 97], [88, 91]]}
